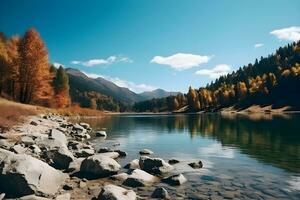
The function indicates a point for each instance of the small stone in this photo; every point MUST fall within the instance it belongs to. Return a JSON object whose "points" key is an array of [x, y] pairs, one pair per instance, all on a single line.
{"points": [[84, 125], [35, 149], [112, 192], [105, 150], [121, 153], [67, 187], [19, 149], [177, 179], [27, 140], [120, 177], [66, 196], [161, 193], [146, 152], [197, 165], [34, 123], [82, 184], [101, 134], [134, 164], [173, 161]]}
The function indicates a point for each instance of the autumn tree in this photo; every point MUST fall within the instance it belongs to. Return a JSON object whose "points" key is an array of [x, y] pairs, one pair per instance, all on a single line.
{"points": [[34, 72], [3, 61], [61, 88], [241, 90], [93, 104], [13, 66]]}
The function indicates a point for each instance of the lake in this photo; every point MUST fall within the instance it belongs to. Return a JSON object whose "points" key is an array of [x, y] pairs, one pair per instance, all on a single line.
{"points": [[255, 156]]}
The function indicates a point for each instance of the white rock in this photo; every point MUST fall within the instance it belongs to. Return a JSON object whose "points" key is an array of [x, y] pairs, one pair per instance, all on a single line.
{"points": [[101, 134], [120, 177], [154, 166], [134, 164], [177, 179], [140, 178], [99, 166], [146, 152], [66, 196], [112, 192], [18, 149], [31, 174], [113, 155]]}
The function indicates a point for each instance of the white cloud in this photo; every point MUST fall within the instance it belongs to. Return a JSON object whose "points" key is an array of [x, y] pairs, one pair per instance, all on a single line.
{"points": [[258, 45], [291, 33], [217, 71], [181, 61], [108, 61], [124, 83], [57, 65]]}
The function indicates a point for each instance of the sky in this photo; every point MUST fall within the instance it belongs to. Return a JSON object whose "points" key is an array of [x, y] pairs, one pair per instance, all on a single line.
{"points": [[149, 44]]}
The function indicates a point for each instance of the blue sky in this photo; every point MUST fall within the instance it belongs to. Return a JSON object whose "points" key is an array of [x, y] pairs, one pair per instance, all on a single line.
{"points": [[153, 43]]}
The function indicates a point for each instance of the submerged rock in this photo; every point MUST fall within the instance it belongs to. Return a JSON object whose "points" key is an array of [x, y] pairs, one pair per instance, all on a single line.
{"points": [[196, 165], [32, 175], [177, 179], [146, 152], [173, 161], [140, 178], [160, 193], [112, 192], [155, 166], [99, 166]]}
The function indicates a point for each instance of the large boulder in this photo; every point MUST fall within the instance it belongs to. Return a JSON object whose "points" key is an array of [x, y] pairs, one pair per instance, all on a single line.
{"points": [[61, 157], [22, 174], [99, 166], [140, 178], [155, 166], [57, 135], [112, 192]]}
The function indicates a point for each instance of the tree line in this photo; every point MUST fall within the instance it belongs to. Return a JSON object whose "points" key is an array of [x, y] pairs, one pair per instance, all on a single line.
{"points": [[26, 75], [272, 80]]}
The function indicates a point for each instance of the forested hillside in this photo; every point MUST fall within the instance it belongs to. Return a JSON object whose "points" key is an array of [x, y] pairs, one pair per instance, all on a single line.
{"points": [[25, 73], [272, 80]]}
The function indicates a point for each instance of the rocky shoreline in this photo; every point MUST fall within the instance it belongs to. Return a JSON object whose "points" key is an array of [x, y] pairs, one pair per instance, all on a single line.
{"points": [[48, 157]]}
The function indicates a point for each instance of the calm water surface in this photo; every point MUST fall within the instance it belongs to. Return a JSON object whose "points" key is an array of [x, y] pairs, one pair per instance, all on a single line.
{"points": [[248, 157]]}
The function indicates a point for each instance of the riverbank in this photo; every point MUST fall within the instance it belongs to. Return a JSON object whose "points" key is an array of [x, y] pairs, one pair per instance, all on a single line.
{"points": [[48, 157]]}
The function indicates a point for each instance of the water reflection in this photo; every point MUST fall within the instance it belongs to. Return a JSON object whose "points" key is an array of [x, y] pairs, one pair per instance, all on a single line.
{"points": [[272, 139]]}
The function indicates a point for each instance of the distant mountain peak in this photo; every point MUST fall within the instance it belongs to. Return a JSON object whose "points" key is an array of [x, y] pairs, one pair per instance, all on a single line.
{"points": [[157, 93]]}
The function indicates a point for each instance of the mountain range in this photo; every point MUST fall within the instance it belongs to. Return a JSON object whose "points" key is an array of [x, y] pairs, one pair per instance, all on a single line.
{"points": [[81, 82]]}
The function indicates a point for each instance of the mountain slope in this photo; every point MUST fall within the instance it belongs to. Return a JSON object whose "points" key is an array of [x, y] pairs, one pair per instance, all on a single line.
{"points": [[80, 82], [158, 93]]}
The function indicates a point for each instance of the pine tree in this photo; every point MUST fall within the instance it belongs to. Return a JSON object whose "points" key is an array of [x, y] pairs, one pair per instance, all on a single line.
{"points": [[61, 88]]}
